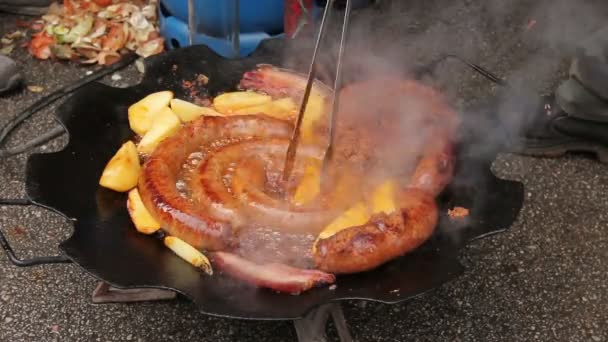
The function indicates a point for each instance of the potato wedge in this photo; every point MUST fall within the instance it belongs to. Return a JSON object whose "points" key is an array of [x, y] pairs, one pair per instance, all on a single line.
{"points": [[143, 112], [284, 109], [286, 104], [187, 111], [165, 124], [227, 103], [122, 171], [357, 215], [315, 110], [266, 108], [188, 253], [141, 217], [383, 198], [310, 185]]}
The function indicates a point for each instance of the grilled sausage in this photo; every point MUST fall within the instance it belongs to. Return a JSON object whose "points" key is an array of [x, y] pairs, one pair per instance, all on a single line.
{"points": [[382, 239], [248, 148], [182, 217]]}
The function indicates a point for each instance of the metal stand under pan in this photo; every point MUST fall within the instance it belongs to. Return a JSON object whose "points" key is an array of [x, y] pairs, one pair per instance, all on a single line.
{"points": [[136, 267], [311, 328], [106, 293]]}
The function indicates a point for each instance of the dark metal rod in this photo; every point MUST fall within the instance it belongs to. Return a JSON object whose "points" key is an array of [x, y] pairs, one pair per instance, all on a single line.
{"points": [[313, 326], [293, 142], [340, 322], [47, 100], [44, 138], [191, 22], [60, 259], [430, 68], [12, 257], [15, 201], [482, 71]]}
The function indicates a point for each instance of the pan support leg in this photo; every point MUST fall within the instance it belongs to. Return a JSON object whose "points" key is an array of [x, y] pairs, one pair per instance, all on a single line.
{"points": [[104, 293], [312, 327]]}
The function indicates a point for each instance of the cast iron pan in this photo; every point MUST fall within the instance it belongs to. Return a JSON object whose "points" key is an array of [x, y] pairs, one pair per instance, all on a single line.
{"points": [[106, 245]]}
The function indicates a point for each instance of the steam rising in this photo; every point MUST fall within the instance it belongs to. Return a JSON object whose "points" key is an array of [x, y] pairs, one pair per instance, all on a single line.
{"points": [[398, 36], [527, 43]]}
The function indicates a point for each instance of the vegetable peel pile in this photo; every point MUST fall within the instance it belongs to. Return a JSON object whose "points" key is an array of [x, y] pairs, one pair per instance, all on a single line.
{"points": [[8, 41], [97, 31]]}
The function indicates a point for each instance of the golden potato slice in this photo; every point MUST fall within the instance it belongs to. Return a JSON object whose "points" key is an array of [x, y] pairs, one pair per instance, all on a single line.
{"points": [[286, 105], [383, 198], [122, 171], [315, 109], [165, 124], [187, 111], [188, 253], [143, 112], [227, 103], [310, 185], [141, 217], [266, 108], [355, 216], [284, 109]]}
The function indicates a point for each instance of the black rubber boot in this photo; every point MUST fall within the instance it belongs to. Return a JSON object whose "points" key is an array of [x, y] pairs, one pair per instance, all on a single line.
{"points": [[575, 119], [10, 78], [25, 7], [591, 71], [578, 101], [552, 133]]}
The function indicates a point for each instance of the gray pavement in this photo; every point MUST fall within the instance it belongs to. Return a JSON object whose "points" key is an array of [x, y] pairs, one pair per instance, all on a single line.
{"points": [[545, 279]]}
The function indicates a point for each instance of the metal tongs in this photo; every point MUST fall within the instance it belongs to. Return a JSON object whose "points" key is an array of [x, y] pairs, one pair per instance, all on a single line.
{"points": [[293, 142]]}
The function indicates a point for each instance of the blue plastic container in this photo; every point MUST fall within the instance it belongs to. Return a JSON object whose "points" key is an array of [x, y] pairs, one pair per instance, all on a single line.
{"points": [[258, 19], [255, 15]]}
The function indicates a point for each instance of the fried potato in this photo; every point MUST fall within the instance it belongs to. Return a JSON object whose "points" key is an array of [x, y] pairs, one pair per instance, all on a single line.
{"points": [[357, 215], [315, 110], [143, 112], [284, 109], [187, 111], [188, 253], [286, 104], [310, 185], [122, 171], [141, 217], [228, 103], [383, 198], [164, 125]]}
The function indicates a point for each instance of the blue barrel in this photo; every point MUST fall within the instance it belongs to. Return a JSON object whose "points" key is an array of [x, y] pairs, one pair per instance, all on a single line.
{"points": [[255, 15], [259, 20]]}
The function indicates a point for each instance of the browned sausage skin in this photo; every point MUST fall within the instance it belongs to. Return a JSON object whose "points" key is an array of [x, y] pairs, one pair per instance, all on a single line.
{"points": [[385, 237], [187, 219], [436, 168], [382, 239], [244, 199]]}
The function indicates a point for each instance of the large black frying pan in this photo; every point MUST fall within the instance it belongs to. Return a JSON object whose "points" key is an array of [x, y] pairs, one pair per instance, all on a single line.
{"points": [[106, 245]]}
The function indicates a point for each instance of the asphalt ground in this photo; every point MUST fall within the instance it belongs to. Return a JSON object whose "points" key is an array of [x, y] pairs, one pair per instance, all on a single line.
{"points": [[544, 279]]}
